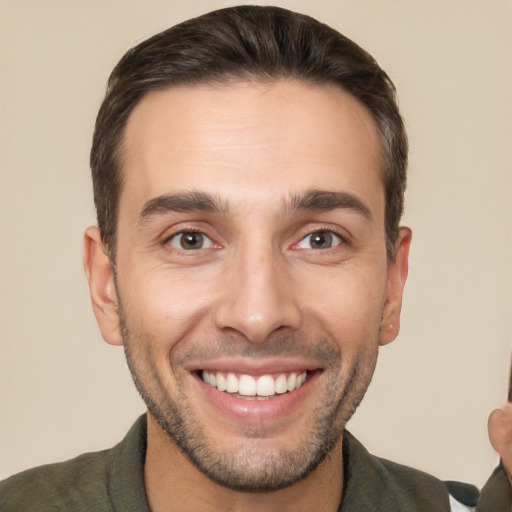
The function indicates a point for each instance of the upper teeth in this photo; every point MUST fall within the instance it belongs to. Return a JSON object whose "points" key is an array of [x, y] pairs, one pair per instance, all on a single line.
{"points": [[247, 385]]}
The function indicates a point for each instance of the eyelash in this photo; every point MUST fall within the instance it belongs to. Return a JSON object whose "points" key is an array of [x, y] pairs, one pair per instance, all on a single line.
{"points": [[175, 236], [341, 240], [332, 237]]}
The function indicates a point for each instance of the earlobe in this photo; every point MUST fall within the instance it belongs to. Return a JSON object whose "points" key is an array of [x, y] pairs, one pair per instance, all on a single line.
{"points": [[101, 286], [397, 275]]}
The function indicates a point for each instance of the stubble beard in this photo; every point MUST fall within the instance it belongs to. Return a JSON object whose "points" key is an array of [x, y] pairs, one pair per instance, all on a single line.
{"points": [[251, 468]]}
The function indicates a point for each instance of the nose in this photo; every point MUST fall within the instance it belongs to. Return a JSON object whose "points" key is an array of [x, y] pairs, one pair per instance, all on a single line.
{"points": [[258, 296]]}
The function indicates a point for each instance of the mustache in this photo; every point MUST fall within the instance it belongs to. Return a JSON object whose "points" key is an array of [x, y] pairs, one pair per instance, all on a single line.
{"points": [[321, 351]]}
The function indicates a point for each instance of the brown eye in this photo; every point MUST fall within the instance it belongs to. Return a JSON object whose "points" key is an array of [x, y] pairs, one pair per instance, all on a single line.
{"points": [[190, 241], [320, 240]]}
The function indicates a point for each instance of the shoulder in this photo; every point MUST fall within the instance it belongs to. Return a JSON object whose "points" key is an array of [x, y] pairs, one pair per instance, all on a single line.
{"points": [[58, 486], [103, 481], [416, 482], [496, 494], [395, 486]]}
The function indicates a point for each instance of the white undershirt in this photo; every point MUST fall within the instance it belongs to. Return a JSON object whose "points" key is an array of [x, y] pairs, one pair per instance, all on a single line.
{"points": [[457, 506]]}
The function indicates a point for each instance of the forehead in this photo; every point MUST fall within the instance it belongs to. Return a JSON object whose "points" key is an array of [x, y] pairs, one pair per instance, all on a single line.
{"points": [[250, 141]]}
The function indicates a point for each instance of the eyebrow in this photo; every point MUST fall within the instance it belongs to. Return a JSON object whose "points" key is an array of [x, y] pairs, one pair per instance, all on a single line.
{"points": [[323, 201], [312, 200], [181, 202]]}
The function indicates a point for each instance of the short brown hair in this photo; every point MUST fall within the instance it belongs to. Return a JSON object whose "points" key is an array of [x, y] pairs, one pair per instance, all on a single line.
{"points": [[244, 43]]}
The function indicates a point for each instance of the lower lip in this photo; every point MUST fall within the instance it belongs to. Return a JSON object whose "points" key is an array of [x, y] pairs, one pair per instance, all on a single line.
{"points": [[254, 410]]}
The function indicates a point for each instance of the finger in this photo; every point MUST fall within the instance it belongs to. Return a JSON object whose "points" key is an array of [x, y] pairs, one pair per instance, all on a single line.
{"points": [[500, 434]]}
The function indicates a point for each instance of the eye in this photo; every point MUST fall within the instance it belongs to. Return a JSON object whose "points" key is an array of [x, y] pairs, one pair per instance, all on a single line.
{"points": [[320, 240], [190, 241]]}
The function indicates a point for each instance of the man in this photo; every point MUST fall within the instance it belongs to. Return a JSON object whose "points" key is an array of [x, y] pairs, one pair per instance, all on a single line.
{"points": [[249, 171]]}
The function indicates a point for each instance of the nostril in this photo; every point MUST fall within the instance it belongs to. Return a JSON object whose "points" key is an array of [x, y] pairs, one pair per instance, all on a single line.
{"points": [[256, 315]]}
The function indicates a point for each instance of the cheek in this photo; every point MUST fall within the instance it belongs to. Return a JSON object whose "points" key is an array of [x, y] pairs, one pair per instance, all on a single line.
{"points": [[349, 306], [165, 305]]}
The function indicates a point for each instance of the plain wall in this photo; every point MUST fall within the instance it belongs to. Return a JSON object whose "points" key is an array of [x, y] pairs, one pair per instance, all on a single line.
{"points": [[63, 391]]}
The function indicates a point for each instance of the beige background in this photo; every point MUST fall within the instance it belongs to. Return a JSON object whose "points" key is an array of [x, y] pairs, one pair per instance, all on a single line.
{"points": [[63, 391]]}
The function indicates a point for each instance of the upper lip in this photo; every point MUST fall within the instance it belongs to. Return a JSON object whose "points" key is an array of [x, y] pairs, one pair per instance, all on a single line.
{"points": [[251, 366]]}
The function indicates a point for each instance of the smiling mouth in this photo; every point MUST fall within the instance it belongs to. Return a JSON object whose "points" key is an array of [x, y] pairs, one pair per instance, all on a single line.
{"points": [[249, 387]]}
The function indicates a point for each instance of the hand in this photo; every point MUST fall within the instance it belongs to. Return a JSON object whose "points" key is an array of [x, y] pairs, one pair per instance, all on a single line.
{"points": [[500, 434]]}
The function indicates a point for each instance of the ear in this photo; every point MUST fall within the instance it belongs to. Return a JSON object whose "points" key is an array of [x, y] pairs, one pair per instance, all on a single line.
{"points": [[101, 286], [397, 275]]}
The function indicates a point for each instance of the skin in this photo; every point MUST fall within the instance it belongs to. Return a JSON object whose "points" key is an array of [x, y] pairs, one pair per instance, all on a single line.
{"points": [[500, 434], [257, 297]]}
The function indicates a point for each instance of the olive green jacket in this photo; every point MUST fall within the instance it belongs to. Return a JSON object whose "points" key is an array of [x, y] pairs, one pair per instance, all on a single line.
{"points": [[112, 481]]}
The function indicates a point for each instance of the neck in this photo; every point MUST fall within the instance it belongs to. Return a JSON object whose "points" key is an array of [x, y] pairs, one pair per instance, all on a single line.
{"points": [[174, 484]]}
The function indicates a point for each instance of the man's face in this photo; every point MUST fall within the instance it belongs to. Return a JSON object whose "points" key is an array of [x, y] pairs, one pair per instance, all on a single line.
{"points": [[252, 276]]}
